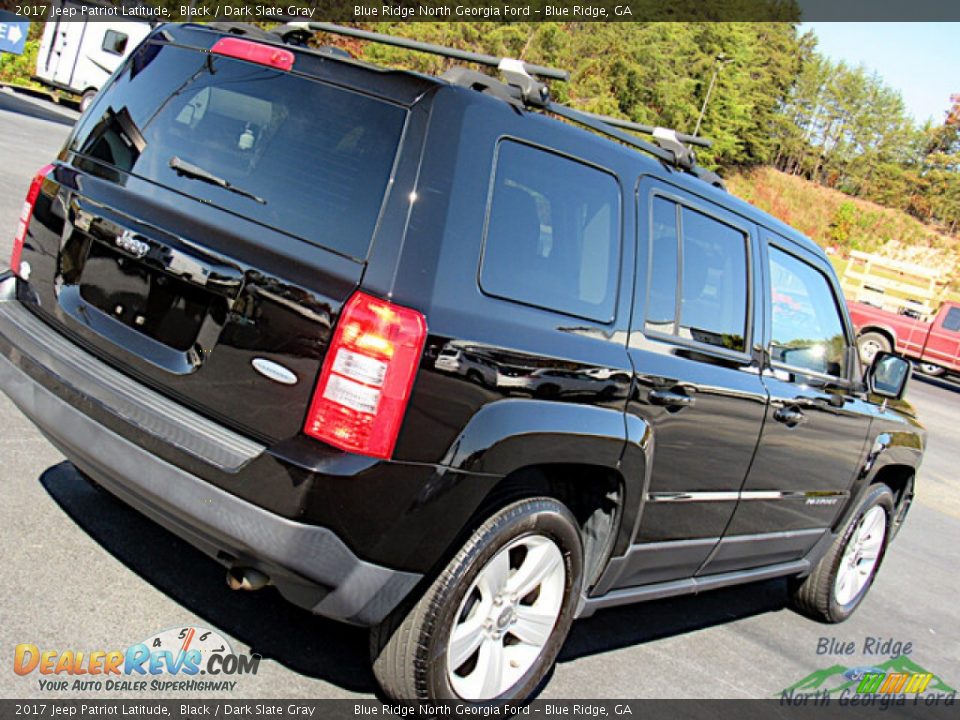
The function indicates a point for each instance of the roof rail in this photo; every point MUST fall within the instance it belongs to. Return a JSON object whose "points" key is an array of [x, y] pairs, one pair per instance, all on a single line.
{"points": [[651, 130], [666, 145], [466, 55], [592, 122]]}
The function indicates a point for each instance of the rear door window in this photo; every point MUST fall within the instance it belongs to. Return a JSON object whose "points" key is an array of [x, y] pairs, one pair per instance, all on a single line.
{"points": [[301, 156], [665, 252], [553, 233], [705, 260]]}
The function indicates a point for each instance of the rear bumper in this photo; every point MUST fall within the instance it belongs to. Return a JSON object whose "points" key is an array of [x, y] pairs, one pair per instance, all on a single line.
{"points": [[310, 564]]}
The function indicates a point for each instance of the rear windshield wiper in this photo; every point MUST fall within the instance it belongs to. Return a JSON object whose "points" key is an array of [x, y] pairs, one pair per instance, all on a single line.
{"points": [[182, 167]]}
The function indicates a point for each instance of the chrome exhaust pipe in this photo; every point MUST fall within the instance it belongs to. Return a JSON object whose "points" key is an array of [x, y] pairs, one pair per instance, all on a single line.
{"points": [[241, 578]]}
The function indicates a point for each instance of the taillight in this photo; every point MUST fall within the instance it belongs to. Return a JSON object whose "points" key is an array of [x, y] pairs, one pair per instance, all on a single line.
{"points": [[26, 212], [254, 52], [367, 376]]}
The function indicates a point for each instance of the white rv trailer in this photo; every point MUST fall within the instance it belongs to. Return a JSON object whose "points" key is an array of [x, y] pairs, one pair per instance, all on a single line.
{"points": [[79, 55]]}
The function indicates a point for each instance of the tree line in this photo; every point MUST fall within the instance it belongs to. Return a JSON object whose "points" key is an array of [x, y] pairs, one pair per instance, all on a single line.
{"points": [[774, 100], [844, 128]]}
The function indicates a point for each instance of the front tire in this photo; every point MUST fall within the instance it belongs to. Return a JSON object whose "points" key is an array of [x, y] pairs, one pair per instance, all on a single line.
{"points": [[490, 627], [840, 581], [931, 369], [870, 343]]}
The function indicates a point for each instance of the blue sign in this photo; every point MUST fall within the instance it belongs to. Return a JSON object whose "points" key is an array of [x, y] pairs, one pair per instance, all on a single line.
{"points": [[13, 33]]}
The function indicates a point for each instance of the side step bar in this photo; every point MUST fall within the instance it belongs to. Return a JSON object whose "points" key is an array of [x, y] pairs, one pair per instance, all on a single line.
{"points": [[690, 586]]}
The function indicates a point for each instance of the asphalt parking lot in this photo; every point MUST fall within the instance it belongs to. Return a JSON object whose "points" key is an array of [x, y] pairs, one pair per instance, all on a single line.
{"points": [[82, 571]]}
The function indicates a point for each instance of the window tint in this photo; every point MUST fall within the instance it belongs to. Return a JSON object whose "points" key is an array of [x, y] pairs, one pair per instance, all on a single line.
{"points": [[713, 305], [807, 329], [952, 320], [662, 301], [154, 74], [307, 158], [114, 42], [713, 268], [553, 235]]}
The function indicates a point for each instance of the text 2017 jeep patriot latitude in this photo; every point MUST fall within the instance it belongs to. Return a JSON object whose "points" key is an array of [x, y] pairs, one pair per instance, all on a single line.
{"points": [[435, 362]]}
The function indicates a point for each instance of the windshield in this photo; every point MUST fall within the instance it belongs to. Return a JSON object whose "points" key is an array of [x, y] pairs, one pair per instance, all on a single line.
{"points": [[296, 154]]}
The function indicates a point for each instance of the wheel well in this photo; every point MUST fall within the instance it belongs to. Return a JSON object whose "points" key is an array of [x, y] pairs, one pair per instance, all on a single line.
{"points": [[880, 331], [899, 478], [593, 493]]}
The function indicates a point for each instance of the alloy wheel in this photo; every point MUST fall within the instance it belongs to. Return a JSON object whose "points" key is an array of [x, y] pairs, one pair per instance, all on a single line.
{"points": [[868, 350], [861, 555], [506, 618], [931, 369]]}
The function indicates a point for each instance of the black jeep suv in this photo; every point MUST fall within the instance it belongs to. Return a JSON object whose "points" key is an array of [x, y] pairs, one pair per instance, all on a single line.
{"points": [[430, 360]]}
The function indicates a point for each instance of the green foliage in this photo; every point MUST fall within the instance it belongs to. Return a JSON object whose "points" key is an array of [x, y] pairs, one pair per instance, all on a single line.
{"points": [[17, 69], [843, 223], [775, 100], [832, 218], [649, 72], [844, 128]]}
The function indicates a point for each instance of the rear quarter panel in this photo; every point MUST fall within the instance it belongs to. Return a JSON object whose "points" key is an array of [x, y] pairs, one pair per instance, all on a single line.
{"points": [[437, 273]]}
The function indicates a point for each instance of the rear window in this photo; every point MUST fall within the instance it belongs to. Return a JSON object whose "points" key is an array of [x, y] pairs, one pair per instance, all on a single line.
{"points": [[301, 156], [952, 320], [114, 42]]}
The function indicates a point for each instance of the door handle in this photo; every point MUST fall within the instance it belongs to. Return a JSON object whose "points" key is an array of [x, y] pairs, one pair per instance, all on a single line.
{"points": [[790, 416], [669, 398]]}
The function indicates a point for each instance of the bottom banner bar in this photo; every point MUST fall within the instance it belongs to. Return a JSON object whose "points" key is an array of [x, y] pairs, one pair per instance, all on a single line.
{"points": [[790, 705]]}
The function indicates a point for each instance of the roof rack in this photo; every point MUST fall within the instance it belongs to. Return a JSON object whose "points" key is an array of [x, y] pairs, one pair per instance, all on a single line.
{"points": [[479, 58], [518, 72], [668, 145], [523, 86], [651, 130]]}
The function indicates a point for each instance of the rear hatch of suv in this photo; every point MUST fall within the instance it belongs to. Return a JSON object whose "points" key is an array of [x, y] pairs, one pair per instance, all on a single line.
{"points": [[212, 215]]}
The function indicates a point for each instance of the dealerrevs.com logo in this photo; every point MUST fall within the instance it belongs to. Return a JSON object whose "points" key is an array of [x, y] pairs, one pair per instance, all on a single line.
{"points": [[190, 659]]}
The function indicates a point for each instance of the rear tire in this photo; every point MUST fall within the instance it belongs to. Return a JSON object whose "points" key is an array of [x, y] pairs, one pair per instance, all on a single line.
{"points": [[548, 391], [842, 578], [489, 628], [870, 343], [87, 99], [931, 369]]}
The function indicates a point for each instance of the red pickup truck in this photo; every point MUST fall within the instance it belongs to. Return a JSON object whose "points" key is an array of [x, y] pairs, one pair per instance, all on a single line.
{"points": [[933, 346]]}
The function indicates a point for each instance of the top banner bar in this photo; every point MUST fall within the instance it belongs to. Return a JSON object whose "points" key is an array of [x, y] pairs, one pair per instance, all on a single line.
{"points": [[486, 10]]}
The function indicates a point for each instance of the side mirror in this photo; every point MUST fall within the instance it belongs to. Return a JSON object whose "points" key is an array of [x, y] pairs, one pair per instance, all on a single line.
{"points": [[887, 375]]}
